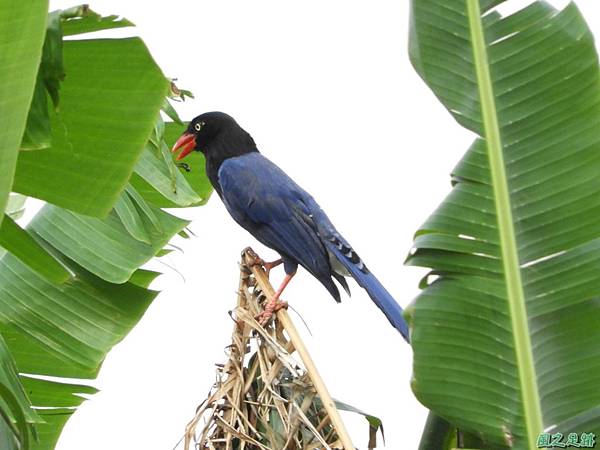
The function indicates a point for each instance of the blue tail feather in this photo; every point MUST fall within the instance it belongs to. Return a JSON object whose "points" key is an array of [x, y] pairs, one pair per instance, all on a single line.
{"points": [[380, 296]]}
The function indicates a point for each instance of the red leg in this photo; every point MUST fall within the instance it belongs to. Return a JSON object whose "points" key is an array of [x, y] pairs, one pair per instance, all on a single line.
{"points": [[270, 265], [274, 304]]}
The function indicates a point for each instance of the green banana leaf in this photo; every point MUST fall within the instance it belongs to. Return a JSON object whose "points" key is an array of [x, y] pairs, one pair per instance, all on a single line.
{"points": [[66, 330], [157, 177], [88, 21], [56, 402], [38, 134], [76, 20], [196, 175], [21, 39], [170, 184], [505, 331], [110, 98], [62, 331], [23, 245], [16, 415], [106, 247], [91, 118], [15, 208], [437, 434], [160, 182]]}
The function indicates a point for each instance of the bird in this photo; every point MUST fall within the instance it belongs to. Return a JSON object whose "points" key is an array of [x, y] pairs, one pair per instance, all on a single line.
{"points": [[273, 208]]}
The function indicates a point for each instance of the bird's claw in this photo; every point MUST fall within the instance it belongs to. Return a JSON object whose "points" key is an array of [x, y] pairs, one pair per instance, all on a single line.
{"points": [[255, 260], [252, 258], [271, 308]]}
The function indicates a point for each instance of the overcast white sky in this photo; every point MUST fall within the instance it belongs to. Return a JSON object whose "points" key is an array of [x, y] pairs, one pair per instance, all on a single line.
{"points": [[327, 91]]}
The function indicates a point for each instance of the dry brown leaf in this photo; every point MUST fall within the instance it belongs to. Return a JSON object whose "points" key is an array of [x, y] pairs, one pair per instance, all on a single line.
{"points": [[263, 398]]}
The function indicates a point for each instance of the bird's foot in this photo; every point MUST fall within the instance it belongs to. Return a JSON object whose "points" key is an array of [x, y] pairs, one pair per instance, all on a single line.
{"points": [[252, 259], [258, 261], [270, 265], [271, 308]]}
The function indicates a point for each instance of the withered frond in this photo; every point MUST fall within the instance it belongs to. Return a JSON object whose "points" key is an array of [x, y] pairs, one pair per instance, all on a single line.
{"points": [[268, 395]]}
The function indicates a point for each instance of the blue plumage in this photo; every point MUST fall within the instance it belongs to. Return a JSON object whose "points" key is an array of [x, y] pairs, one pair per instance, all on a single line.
{"points": [[275, 210]]}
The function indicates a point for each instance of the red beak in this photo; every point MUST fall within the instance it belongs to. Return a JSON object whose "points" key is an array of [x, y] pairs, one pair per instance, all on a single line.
{"points": [[187, 142]]}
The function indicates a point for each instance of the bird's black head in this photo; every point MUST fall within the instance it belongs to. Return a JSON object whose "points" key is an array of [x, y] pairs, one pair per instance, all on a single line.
{"points": [[217, 135]]}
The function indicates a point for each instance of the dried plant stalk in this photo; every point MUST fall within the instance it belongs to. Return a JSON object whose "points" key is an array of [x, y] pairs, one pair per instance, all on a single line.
{"points": [[263, 397]]}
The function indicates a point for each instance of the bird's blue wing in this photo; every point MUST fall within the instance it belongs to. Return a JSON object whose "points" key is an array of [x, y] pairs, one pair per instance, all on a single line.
{"points": [[273, 208]]}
